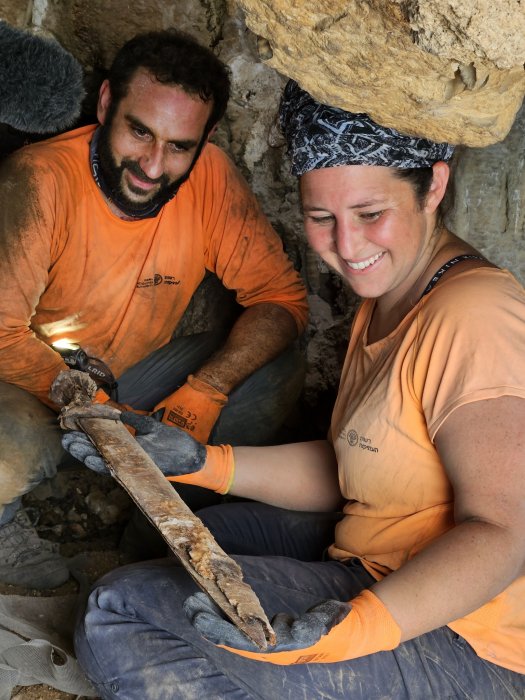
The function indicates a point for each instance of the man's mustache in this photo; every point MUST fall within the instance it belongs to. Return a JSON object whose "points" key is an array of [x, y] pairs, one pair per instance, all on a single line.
{"points": [[135, 168]]}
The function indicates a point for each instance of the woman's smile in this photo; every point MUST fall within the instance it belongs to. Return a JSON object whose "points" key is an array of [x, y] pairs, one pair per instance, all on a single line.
{"points": [[367, 264]]}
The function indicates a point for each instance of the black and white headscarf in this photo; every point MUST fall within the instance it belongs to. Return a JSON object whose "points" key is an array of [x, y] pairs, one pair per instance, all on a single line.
{"points": [[320, 136]]}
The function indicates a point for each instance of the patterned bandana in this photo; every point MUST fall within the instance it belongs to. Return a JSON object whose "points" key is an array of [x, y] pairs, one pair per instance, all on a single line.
{"points": [[320, 136]]}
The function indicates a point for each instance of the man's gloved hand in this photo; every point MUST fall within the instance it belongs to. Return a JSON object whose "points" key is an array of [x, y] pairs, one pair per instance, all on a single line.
{"points": [[328, 632], [195, 408], [177, 454], [102, 398]]}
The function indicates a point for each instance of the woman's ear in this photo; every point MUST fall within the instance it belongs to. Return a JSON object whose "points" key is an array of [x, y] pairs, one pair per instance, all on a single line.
{"points": [[440, 177]]}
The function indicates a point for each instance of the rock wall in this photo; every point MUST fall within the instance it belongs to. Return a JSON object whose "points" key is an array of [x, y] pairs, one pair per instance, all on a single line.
{"points": [[490, 184], [451, 70]]}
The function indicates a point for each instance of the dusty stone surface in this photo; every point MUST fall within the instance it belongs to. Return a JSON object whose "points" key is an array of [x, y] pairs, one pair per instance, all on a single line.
{"points": [[455, 29], [42, 692], [81, 510], [85, 513], [15, 13], [489, 208], [361, 56]]}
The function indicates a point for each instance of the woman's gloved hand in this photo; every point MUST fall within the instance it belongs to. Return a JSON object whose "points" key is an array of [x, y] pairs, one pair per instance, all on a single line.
{"points": [[329, 632], [179, 456], [291, 633]]}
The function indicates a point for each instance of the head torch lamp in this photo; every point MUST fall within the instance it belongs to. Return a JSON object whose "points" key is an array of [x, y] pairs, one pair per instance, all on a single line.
{"points": [[77, 358]]}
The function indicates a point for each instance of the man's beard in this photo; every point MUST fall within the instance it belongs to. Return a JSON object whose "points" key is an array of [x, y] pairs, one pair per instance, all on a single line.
{"points": [[112, 176]]}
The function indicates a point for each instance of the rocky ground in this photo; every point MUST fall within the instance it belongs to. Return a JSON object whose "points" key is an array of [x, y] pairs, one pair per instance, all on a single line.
{"points": [[41, 692], [84, 513]]}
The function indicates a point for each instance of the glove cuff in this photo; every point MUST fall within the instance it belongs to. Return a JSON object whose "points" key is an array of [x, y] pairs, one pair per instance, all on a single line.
{"points": [[380, 632], [216, 474], [204, 388]]}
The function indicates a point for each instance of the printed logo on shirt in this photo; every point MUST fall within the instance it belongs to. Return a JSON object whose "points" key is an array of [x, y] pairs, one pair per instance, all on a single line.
{"points": [[352, 438], [156, 280], [356, 440]]}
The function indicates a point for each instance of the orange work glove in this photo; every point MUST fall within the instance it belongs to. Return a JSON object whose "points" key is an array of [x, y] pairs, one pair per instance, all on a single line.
{"points": [[194, 407], [329, 632]]}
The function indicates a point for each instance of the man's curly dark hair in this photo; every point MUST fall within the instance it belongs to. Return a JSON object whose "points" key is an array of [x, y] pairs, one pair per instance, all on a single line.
{"points": [[174, 58]]}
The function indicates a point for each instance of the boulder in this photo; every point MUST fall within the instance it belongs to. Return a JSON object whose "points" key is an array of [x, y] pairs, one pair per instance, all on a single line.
{"points": [[449, 70]]}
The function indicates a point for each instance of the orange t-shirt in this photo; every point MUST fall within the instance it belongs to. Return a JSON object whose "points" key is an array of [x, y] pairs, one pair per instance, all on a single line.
{"points": [[393, 397], [71, 269]]}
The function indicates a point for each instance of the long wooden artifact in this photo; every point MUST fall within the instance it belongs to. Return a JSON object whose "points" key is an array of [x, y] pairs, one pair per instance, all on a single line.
{"points": [[210, 567]]}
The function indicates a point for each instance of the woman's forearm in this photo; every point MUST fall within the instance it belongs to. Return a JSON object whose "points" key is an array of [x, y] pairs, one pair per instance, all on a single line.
{"points": [[299, 476], [458, 573]]}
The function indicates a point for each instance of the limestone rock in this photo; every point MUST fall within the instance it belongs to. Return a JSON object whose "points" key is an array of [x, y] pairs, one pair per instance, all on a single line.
{"points": [[457, 29], [450, 70], [489, 202]]}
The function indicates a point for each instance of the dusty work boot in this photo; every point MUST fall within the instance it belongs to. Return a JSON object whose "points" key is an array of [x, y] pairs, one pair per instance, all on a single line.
{"points": [[26, 560]]}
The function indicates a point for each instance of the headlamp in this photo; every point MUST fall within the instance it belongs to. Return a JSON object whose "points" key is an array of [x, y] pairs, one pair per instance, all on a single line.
{"points": [[77, 358]]}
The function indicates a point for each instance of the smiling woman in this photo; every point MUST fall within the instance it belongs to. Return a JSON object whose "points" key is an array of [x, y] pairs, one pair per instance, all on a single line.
{"points": [[367, 225], [371, 198], [425, 458]]}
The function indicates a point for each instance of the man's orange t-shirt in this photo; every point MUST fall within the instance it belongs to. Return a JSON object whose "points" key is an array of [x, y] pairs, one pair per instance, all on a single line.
{"points": [[463, 342], [71, 269]]}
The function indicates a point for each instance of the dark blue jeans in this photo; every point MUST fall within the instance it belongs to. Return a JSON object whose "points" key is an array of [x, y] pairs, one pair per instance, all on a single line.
{"points": [[135, 642]]}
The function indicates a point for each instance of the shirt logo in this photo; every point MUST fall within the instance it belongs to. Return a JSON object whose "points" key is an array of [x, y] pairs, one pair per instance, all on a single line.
{"points": [[156, 280], [356, 440], [352, 438]]}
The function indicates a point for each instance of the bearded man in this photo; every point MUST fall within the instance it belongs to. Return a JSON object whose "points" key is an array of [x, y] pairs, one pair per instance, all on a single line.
{"points": [[106, 233]]}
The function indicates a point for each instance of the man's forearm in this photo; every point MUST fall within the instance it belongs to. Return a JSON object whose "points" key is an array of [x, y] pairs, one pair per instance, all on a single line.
{"points": [[30, 364], [259, 335]]}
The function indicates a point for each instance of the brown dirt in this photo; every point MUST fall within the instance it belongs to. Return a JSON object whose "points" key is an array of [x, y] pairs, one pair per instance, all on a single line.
{"points": [[41, 692]]}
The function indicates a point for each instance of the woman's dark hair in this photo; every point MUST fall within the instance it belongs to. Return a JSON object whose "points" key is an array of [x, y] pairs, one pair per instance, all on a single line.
{"points": [[421, 179], [174, 58]]}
